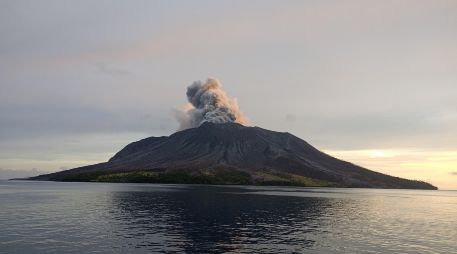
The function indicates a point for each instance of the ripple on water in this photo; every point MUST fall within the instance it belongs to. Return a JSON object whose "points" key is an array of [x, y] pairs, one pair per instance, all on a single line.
{"points": [[117, 218]]}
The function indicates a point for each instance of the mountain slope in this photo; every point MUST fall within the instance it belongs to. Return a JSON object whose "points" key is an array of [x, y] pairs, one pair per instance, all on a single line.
{"points": [[217, 150]]}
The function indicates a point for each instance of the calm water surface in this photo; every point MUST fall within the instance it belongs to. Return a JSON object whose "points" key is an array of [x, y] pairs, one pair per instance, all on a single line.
{"points": [[50, 217]]}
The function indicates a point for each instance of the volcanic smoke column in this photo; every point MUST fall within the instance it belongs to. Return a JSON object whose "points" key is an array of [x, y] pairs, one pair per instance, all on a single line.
{"points": [[208, 103]]}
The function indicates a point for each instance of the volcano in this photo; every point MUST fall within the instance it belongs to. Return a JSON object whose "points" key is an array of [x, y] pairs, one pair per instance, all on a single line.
{"points": [[230, 153]]}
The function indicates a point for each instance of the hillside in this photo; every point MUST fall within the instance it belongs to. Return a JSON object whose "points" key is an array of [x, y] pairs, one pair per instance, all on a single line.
{"points": [[230, 153]]}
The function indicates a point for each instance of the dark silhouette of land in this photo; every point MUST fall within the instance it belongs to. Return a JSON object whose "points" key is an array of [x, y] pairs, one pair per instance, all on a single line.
{"points": [[230, 153]]}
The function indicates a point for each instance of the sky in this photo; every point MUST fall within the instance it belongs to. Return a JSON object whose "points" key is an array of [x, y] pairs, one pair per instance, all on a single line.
{"points": [[371, 82]]}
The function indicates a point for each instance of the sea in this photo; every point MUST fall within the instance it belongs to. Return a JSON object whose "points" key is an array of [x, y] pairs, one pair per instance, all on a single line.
{"points": [[63, 217]]}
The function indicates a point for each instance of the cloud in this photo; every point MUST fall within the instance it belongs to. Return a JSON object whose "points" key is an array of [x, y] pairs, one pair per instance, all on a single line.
{"points": [[208, 103], [16, 173], [453, 173], [109, 69], [24, 122], [290, 118]]}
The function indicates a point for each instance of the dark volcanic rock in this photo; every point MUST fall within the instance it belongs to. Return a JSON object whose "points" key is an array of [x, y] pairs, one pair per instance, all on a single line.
{"points": [[231, 146]]}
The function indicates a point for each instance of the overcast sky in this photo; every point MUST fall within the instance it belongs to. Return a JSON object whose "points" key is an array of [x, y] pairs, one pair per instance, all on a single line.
{"points": [[374, 82]]}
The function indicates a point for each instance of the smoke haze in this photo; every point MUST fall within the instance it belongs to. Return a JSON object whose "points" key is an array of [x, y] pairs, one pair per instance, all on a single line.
{"points": [[208, 103]]}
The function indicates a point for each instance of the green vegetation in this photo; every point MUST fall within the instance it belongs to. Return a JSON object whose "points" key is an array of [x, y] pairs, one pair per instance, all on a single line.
{"points": [[206, 176], [178, 177], [282, 179]]}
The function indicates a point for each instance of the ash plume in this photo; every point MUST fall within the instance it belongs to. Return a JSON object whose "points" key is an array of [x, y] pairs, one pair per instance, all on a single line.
{"points": [[208, 103]]}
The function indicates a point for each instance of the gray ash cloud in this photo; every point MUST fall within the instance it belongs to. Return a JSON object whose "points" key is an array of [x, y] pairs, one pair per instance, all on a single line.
{"points": [[208, 103]]}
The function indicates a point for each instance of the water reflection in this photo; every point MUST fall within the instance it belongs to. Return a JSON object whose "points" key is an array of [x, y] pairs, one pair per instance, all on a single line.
{"points": [[203, 219], [133, 218]]}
